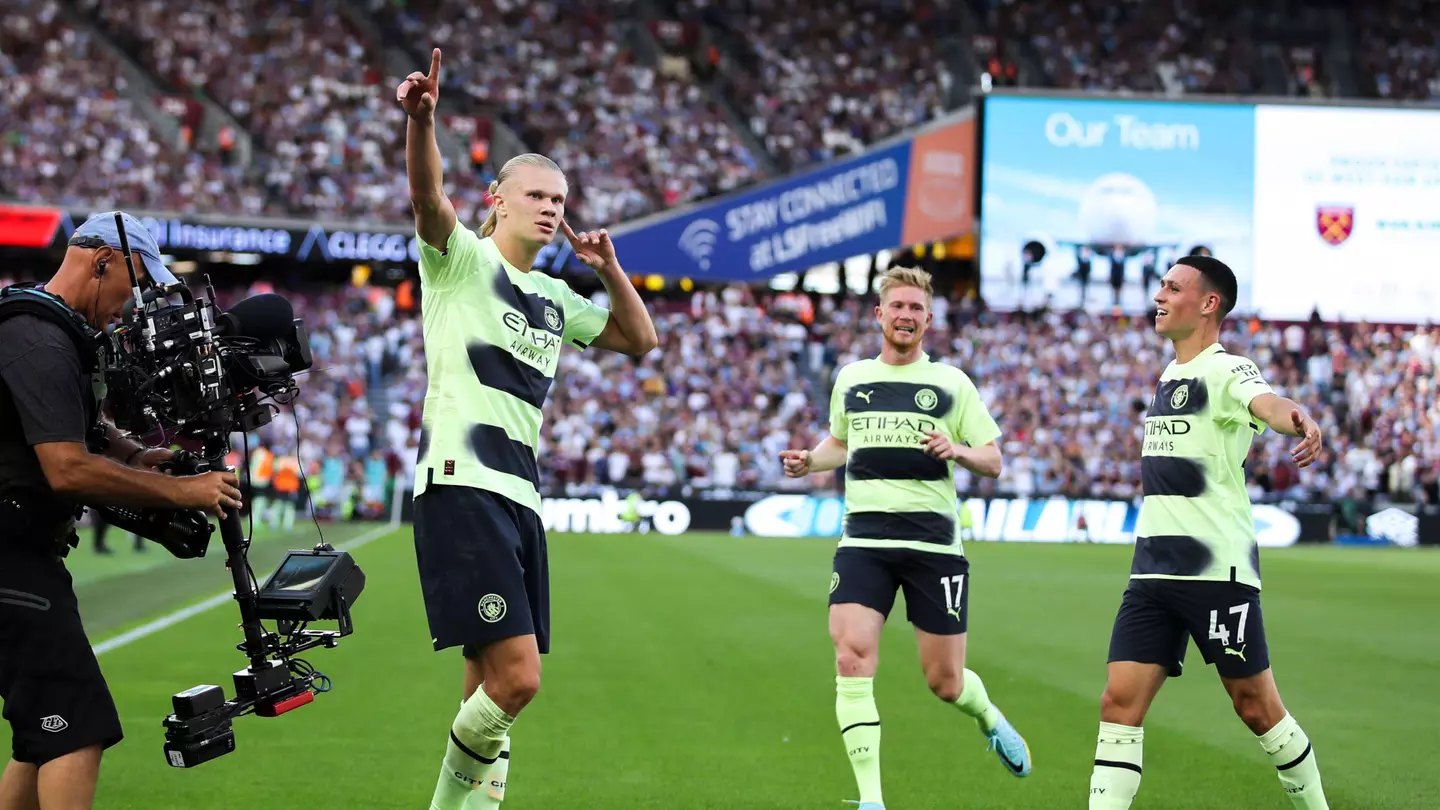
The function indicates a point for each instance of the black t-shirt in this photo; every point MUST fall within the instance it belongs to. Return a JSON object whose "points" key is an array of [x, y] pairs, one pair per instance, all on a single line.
{"points": [[45, 396]]}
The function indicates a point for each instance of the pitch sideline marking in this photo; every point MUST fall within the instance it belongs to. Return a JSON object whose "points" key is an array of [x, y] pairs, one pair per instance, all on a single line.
{"points": [[175, 617]]}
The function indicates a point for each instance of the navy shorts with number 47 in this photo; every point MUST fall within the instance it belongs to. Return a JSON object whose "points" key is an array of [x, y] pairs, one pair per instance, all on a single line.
{"points": [[1158, 617]]}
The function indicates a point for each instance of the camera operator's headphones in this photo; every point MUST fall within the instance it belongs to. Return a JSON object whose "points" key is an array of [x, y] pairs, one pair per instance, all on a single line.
{"points": [[27, 298]]}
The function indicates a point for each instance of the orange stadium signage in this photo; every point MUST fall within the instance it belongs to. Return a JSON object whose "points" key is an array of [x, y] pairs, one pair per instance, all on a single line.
{"points": [[28, 226], [940, 204]]}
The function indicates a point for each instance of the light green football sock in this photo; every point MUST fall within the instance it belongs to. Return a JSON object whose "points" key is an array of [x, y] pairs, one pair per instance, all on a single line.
{"points": [[860, 728], [476, 739], [975, 701], [489, 796], [1294, 759], [1119, 758]]}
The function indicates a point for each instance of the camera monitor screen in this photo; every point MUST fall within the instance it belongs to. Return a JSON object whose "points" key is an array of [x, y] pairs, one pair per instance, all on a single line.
{"points": [[299, 573]]}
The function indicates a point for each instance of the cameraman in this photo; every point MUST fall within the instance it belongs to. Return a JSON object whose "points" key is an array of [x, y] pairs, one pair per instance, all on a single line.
{"points": [[56, 700]]}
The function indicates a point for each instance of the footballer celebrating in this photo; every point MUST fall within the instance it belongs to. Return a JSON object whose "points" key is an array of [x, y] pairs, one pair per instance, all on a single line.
{"points": [[493, 332], [1196, 569], [899, 422]]}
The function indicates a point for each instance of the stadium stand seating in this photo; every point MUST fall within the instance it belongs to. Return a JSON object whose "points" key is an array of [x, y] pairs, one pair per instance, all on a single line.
{"points": [[310, 90], [70, 134], [563, 75], [574, 79], [735, 381], [1398, 48], [1137, 46], [816, 84]]}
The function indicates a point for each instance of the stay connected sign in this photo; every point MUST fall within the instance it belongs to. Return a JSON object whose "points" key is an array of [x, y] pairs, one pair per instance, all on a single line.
{"points": [[918, 190]]}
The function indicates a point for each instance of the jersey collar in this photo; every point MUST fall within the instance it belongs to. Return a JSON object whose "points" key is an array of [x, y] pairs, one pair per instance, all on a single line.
{"points": [[494, 249], [1213, 348], [924, 358]]}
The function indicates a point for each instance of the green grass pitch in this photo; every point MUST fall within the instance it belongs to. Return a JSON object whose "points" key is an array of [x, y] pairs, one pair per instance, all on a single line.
{"points": [[695, 672]]}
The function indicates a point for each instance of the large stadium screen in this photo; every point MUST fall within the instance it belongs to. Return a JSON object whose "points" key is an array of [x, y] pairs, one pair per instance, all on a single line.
{"points": [[1109, 192], [1347, 213]]}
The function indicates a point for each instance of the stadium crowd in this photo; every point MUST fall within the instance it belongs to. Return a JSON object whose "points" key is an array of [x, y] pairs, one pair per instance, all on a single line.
{"points": [[1185, 46], [1398, 48], [820, 85], [632, 139], [737, 379], [313, 88], [71, 136]]}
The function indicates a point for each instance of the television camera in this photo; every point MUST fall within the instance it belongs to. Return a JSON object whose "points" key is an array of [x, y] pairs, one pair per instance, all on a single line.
{"points": [[179, 368]]}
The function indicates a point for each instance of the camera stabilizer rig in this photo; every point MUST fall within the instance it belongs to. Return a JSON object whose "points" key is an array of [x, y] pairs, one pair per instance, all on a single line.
{"points": [[197, 376]]}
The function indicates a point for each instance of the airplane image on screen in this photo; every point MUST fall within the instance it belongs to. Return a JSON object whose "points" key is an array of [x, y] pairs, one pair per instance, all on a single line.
{"points": [[1116, 221]]}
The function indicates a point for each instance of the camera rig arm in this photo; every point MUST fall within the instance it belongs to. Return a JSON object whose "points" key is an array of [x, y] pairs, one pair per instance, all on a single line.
{"points": [[179, 369], [317, 585]]}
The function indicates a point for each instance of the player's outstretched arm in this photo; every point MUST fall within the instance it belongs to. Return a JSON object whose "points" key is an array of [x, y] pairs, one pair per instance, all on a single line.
{"points": [[434, 213], [630, 329], [1285, 416], [827, 455]]}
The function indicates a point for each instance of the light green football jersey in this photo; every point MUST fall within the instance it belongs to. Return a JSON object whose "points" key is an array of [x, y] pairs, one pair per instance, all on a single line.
{"points": [[896, 494], [493, 335], [1196, 520]]}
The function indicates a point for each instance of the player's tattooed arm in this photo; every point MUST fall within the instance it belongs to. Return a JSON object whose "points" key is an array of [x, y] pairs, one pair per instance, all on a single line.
{"points": [[1285, 416]]}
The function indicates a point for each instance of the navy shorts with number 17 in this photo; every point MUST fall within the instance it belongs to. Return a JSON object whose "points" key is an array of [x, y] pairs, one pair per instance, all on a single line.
{"points": [[936, 586]]}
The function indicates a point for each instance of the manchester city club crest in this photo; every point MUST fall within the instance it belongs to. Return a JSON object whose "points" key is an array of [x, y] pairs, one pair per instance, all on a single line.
{"points": [[552, 318], [926, 400], [492, 607], [1335, 223], [1180, 397]]}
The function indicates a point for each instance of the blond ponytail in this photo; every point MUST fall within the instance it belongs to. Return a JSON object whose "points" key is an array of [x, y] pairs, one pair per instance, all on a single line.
{"points": [[492, 219]]}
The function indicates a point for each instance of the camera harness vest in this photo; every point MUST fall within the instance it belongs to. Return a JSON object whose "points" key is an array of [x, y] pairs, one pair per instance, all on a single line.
{"points": [[27, 298]]}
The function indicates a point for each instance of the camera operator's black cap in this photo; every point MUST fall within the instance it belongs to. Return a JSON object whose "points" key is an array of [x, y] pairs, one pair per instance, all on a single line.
{"points": [[102, 226]]}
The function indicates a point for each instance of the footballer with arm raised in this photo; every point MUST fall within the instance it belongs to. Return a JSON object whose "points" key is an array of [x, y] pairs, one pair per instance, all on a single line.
{"points": [[493, 332], [1196, 568]]}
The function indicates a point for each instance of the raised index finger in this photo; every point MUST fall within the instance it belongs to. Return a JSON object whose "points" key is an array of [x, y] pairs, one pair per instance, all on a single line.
{"points": [[569, 234], [434, 65]]}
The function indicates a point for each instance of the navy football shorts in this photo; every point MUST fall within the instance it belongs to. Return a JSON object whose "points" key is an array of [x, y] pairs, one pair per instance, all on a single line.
{"points": [[484, 568], [936, 586], [1158, 617]]}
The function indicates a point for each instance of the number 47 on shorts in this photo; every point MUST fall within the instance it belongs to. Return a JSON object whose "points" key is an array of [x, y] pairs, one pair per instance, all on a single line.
{"points": [[1221, 633]]}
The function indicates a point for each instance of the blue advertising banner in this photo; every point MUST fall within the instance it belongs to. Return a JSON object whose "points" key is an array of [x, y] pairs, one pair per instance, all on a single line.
{"points": [[1087, 202], [918, 190], [1011, 520]]}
